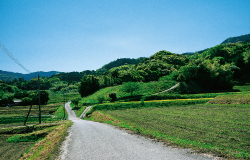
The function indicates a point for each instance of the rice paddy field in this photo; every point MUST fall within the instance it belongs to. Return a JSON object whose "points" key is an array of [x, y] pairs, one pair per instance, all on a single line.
{"points": [[16, 115], [223, 130], [12, 125], [220, 127]]}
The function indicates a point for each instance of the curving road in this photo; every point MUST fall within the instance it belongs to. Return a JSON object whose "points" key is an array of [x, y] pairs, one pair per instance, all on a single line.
{"points": [[97, 141]]}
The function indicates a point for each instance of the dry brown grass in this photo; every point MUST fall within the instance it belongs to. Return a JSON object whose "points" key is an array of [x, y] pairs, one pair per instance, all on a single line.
{"points": [[100, 117], [231, 99]]}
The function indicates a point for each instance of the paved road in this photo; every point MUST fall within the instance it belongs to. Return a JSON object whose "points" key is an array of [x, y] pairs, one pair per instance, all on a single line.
{"points": [[96, 141]]}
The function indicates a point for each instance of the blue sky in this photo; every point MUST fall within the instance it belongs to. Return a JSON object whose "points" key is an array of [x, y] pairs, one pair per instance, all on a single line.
{"points": [[78, 35]]}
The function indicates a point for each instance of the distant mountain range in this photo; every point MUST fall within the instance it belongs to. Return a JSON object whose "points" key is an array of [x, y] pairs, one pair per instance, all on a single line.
{"points": [[5, 75], [75, 76]]}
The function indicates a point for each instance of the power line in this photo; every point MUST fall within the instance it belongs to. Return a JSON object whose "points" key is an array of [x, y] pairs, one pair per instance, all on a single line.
{"points": [[12, 57]]}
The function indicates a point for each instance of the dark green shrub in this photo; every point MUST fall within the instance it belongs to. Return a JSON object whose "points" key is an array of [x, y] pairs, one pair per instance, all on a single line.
{"points": [[112, 96]]}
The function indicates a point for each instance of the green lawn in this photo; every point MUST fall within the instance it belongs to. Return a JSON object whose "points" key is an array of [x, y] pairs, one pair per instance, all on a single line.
{"points": [[224, 129], [145, 89]]}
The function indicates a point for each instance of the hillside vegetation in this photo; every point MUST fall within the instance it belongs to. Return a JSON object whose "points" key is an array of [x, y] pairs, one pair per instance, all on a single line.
{"points": [[237, 39], [215, 69]]}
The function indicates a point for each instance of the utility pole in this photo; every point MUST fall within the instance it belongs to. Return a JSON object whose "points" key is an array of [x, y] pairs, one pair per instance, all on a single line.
{"points": [[39, 100], [28, 114], [64, 107], [66, 102]]}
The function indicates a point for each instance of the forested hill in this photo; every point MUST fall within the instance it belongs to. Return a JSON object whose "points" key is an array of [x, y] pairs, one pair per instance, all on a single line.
{"points": [[5, 75], [237, 39], [119, 62], [216, 68]]}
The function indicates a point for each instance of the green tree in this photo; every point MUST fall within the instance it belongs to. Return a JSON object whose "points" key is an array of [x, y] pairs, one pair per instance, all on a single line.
{"points": [[130, 87], [6, 100], [44, 97], [89, 84], [1, 92], [26, 101], [75, 101]]}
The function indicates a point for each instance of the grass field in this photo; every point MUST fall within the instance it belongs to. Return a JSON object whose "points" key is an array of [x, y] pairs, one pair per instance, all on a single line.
{"points": [[220, 129], [145, 89]]}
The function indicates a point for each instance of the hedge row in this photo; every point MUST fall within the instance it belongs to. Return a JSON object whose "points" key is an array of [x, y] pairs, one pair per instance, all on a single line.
{"points": [[146, 104]]}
